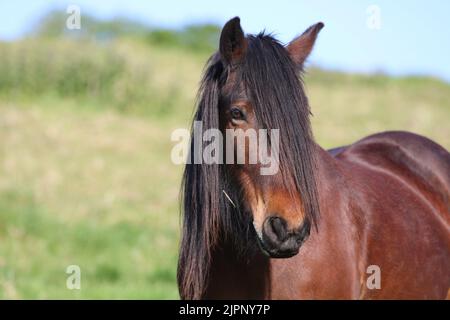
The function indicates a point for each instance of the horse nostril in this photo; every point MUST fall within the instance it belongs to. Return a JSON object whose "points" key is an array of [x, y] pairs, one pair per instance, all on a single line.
{"points": [[277, 241], [279, 227]]}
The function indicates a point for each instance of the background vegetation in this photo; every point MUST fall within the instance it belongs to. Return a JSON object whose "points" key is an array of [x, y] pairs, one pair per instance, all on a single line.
{"points": [[85, 170]]}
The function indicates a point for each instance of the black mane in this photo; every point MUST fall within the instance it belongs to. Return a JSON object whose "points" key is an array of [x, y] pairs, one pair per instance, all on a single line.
{"points": [[271, 80]]}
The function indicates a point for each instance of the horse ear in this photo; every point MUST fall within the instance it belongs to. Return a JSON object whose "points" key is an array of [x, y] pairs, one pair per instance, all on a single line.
{"points": [[233, 44], [300, 48]]}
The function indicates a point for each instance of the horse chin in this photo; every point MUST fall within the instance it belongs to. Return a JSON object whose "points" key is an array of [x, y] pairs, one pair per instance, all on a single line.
{"points": [[276, 253]]}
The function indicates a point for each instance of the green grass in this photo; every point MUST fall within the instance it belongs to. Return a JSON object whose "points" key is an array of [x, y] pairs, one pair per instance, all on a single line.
{"points": [[95, 189], [85, 170]]}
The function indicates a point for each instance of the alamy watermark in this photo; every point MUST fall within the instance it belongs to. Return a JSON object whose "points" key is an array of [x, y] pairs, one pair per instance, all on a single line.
{"points": [[373, 21], [248, 146], [374, 279], [73, 281], [73, 21]]}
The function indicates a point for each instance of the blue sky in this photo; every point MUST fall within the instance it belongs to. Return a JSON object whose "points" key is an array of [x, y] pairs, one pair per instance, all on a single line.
{"points": [[414, 37]]}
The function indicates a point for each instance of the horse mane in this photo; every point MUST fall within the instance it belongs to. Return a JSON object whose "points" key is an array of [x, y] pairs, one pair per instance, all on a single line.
{"points": [[273, 83]]}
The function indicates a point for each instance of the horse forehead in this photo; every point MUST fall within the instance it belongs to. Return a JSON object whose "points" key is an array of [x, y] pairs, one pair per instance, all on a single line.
{"points": [[233, 89]]}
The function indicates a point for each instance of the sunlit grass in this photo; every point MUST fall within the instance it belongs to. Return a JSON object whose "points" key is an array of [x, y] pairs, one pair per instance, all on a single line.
{"points": [[96, 190], [87, 179]]}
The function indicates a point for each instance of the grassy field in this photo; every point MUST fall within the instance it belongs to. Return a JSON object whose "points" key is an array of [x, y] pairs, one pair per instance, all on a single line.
{"points": [[85, 170]]}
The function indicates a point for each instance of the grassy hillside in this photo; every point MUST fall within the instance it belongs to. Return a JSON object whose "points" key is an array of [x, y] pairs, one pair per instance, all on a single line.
{"points": [[85, 171]]}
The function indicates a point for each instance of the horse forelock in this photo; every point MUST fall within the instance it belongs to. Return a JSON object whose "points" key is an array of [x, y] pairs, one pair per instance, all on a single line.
{"points": [[275, 88]]}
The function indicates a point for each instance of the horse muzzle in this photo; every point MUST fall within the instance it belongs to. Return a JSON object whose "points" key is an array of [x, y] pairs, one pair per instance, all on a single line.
{"points": [[278, 241]]}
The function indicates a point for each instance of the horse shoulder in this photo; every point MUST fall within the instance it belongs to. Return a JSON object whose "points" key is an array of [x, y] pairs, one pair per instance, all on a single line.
{"points": [[415, 160], [403, 181]]}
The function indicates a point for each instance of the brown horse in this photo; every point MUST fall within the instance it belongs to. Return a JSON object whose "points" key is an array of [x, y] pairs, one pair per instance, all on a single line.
{"points": [[366, 221]]}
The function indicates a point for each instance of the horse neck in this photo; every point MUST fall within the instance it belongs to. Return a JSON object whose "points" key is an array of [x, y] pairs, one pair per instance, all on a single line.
{"points": [[332, 185], [247, 276], [236, 275]]}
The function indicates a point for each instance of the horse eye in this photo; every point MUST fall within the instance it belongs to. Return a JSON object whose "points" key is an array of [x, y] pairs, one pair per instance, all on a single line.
{"points": [[236, 113]]}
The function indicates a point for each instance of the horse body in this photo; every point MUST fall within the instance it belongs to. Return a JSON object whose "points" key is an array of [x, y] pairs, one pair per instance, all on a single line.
{"points": [[366, 221], [405, 235]]}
